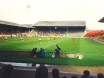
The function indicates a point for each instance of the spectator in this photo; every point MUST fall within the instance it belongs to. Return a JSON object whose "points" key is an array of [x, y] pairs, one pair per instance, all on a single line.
{"points": [[42, 54], [7, 71], [64, 77], [57, 49], [41, 72], [55, 73], [33, 54], [86, 74], [74, 77], [100, 75]]}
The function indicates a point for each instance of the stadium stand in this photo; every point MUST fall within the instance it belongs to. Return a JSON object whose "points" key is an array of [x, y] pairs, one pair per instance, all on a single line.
{"points": [[65, 28], [46, 28], [97, 35]]}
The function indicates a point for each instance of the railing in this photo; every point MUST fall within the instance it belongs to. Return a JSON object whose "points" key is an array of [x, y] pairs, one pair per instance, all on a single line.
{"points": [[47, 54]]}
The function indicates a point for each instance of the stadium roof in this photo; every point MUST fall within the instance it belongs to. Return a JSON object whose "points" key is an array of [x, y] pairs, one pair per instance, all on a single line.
{"points": [[101, 20], [60, 23], [27, 25], [9, 23], [29, 12]]}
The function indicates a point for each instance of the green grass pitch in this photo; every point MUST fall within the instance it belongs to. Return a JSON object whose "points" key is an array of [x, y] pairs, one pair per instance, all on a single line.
{"points": [[93, 51]]}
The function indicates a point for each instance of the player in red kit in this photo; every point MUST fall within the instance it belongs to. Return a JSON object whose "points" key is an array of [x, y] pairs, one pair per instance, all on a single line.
{"points": [[73, 41], [54, 39]]}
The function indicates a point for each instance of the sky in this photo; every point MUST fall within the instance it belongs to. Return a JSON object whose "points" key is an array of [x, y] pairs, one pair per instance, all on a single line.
{"points": [[32, 11]]}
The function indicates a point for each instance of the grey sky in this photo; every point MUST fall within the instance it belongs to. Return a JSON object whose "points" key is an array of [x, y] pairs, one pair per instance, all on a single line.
{"points": [[32, 11]]}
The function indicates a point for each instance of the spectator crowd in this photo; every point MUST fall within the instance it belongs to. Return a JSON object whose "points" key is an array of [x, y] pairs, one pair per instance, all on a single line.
{"points": [[42, 72]]}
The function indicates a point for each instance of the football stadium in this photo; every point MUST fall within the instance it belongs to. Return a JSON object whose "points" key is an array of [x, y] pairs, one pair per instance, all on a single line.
{"points": [[67, 37]]}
